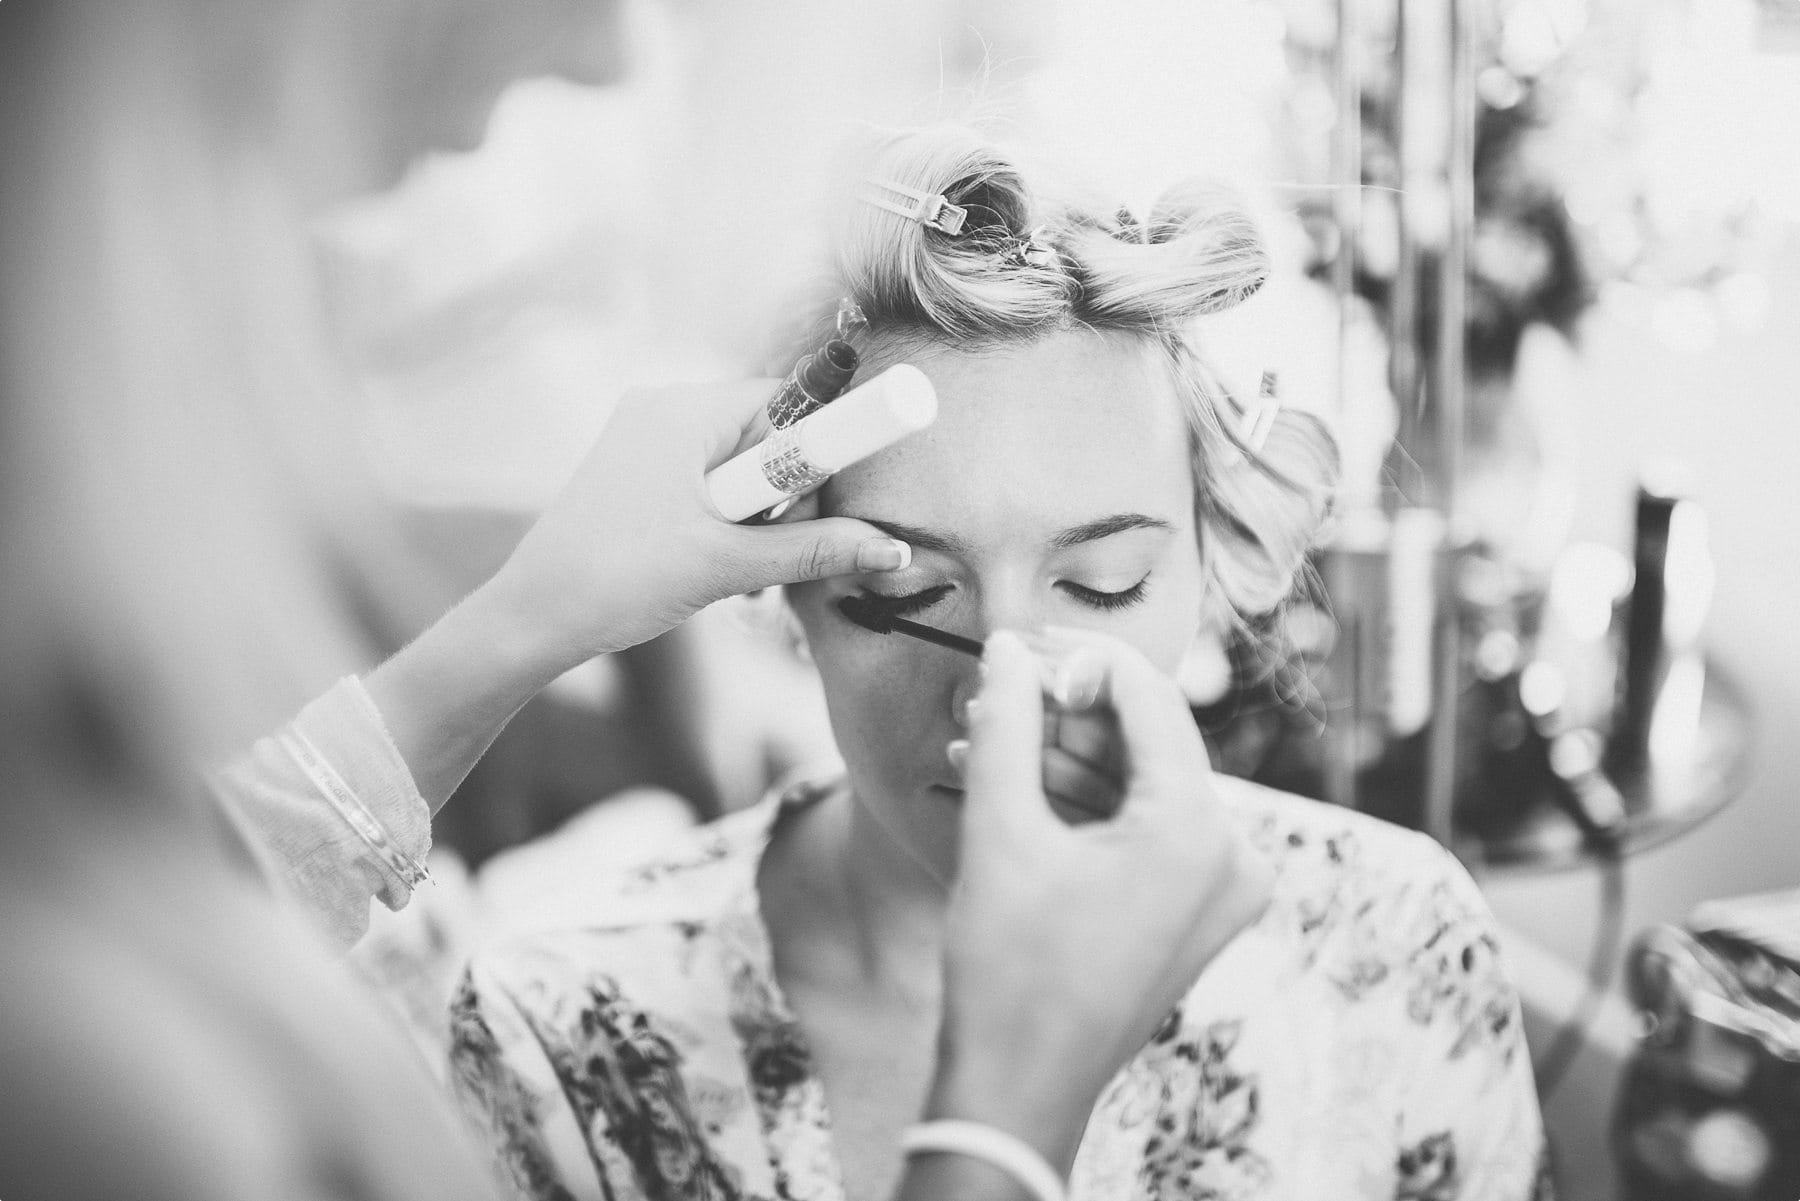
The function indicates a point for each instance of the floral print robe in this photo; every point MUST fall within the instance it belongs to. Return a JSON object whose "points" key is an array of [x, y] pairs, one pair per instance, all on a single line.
{"points": [[1359, 1041]]}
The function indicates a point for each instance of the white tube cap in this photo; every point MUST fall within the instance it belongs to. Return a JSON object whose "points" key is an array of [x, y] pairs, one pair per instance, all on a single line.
{"points": [[868, 418]]}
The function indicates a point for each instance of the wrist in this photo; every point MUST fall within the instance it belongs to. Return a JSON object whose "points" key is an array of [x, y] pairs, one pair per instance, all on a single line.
{"points": [[1029, 1095], [446, 695], [979, 1143]]}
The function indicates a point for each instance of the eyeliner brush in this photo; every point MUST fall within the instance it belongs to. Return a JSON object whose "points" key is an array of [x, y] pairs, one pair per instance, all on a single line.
{"points": [[868, 617]]}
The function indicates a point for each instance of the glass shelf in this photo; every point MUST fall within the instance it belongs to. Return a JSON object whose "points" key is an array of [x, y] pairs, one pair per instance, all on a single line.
{"points": [[1662, 805]]}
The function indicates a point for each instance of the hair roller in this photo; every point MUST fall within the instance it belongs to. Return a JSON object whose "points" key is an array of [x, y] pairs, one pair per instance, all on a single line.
{"points": [[1198, 253], [962, 285]]}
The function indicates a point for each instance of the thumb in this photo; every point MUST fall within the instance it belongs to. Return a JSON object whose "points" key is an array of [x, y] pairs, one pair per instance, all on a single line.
{"points": [[793, 553], [1004, 773], [1163, 750]]}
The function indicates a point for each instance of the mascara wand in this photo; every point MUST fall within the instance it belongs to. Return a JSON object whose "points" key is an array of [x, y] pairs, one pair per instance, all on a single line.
{"points": [[871, 618]]}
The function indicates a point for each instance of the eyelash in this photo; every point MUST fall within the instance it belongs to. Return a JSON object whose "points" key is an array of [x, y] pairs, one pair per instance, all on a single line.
{"points": [[1093, 598], [1108, 602], [905, 606]]}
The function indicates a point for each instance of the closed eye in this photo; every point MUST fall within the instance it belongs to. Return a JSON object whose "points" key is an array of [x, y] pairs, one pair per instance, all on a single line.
{"points": [[903, 606], [1107, 602]]}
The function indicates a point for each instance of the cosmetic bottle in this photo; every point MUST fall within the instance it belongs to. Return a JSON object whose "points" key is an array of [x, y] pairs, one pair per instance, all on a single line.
{"points": [[1662, 671]]}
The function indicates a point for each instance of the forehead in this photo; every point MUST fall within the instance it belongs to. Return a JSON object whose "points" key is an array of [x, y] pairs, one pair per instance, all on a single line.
{"points": [[1041, 436]]}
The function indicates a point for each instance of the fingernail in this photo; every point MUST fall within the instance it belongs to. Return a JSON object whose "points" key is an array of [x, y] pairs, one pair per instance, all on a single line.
{"points": [[1075, 687], [883, 554], [970, 708], [958, 753]]}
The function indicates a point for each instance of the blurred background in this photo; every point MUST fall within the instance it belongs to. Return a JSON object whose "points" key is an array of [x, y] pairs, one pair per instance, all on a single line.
{"points": [[1537, 259]]}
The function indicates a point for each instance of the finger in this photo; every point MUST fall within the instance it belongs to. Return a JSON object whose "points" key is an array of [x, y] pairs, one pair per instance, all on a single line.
{"points": [[802, 506], [1076, 784], [1003, 771], [1072, 814], [735, 418], [768, 555], [1072, 669], [1076, 681], [1093, 737], [1073, 787], [1163, 755], [1158, 746]]}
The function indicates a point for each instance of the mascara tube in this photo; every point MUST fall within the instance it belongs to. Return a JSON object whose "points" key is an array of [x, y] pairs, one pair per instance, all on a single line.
{"points": [[874, 415], [816, 380]]}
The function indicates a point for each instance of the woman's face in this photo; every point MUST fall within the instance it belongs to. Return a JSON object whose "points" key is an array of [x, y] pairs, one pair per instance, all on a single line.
{"points": [[1055, 488]]}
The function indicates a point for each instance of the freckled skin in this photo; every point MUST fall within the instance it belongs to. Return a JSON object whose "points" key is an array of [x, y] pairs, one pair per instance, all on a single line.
{"points": [[1030, 440]]}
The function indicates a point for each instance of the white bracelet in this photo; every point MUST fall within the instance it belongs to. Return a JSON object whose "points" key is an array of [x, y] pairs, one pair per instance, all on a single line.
{"points": [[1011, 1155]]}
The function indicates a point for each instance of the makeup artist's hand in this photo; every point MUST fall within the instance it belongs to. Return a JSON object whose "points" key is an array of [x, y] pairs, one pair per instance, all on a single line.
{"points": [[1084, 759], [630, 548], [1070, 944]]}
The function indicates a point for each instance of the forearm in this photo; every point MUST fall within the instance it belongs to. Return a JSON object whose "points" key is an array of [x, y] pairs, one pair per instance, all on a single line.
{"points": [[449, 693]]}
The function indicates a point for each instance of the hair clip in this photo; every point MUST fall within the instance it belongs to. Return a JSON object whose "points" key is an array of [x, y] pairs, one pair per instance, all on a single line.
{"points": [[850, 317], [1130, 226], [936, 212], [1256, 422], [1033, 250]]}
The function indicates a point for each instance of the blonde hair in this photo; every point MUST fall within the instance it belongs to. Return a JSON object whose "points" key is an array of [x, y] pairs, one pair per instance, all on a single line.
{"points": [[1032, 261]]}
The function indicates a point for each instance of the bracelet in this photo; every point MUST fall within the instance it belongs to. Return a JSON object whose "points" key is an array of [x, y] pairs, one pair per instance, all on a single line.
{"points": [[1011, 1155], [355, 814]]}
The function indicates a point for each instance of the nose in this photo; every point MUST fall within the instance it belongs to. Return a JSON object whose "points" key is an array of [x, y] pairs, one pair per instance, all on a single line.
{"points": [[1001, 608], [1015, 608]]}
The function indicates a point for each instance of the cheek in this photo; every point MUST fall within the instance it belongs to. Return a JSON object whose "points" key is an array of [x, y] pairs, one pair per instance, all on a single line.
{"points": [[1163, 628]]}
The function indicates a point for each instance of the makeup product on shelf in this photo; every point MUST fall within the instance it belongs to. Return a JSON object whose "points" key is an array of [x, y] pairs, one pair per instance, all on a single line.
{"points": [[790, 461], [1581, 790], [1384, 575], [1662, 673], [816, 380]]}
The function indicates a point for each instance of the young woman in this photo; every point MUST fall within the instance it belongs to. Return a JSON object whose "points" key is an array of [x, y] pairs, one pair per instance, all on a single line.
{"points": [[757, 1015]]}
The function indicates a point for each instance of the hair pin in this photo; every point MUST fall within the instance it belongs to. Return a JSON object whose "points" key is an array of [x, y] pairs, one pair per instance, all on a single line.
{"points": [[933, 211], [1256, 422], [1034, 249], [850, 317]]}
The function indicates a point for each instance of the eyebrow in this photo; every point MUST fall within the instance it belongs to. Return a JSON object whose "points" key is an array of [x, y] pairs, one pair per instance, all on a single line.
{"points": [[950, 544]]}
